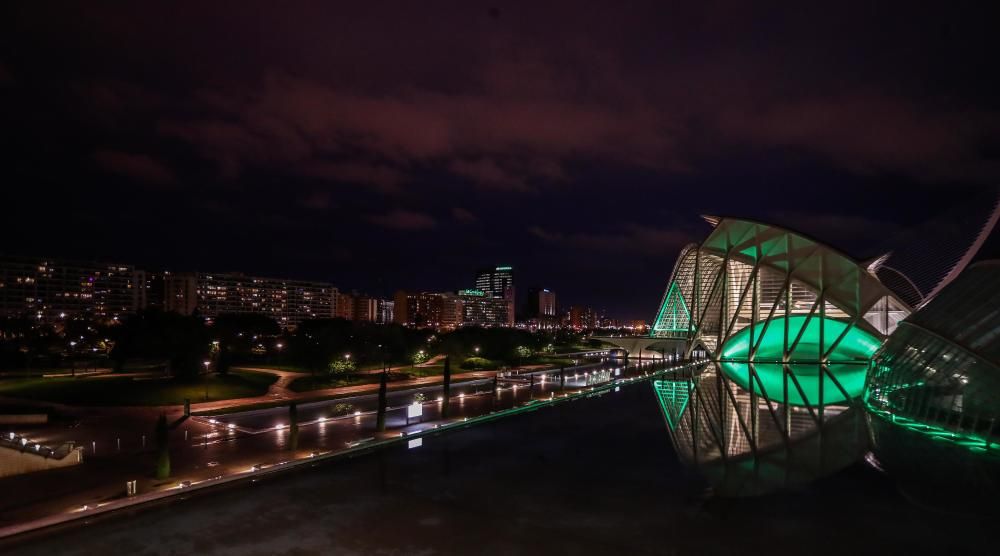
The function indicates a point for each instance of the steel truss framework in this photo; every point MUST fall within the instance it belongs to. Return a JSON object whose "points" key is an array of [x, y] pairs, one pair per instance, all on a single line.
{"points": [[794, 299], [790, 326]]}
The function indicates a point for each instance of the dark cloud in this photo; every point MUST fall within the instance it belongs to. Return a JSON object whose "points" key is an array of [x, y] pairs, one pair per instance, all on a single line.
{"points": [[463, 216], [5, 76], [626, 239], [381, 177], [870, 134], [400, 219], [318, 200], [142, 168], [292, 121]]}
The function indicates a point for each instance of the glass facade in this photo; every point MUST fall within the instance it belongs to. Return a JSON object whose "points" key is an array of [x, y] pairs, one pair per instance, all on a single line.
{"points": [[762, 293], [789, 327], [933, 394]]}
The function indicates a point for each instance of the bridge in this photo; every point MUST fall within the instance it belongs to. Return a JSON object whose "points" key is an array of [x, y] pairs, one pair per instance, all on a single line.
{"points": [[647, 347]]}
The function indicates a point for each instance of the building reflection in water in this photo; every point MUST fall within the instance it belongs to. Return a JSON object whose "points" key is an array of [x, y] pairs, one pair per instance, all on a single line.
{"points": [[749, 441]]}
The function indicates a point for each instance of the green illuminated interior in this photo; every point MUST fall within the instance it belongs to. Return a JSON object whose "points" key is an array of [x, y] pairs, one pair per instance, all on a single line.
{"points": [[798, 380], [673, 398], [674, 315], [857, 345], [771, 380]]}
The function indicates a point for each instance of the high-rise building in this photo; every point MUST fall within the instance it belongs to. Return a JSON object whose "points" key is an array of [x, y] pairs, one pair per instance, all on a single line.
{"points": [[155, 290], [451, 311], [365, 308], [47, 289], [540, 303], [582, 317], [417, 309], [288, 302], [546, 303], [478, 309], [357, 307], [428, 310], [180, 293], [386, 311], [345, 306], [498, 283]]}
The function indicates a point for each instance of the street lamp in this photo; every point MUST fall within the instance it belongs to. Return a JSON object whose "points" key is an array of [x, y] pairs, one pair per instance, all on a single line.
{"points": [[206, 363]]}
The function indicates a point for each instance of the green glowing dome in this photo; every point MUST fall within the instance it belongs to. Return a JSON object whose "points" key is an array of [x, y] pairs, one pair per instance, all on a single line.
{"points": [[844, 374], [856, 345]]}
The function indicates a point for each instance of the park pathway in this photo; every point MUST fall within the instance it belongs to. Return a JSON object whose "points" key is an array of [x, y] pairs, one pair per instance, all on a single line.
{"points": [[279, 392]]}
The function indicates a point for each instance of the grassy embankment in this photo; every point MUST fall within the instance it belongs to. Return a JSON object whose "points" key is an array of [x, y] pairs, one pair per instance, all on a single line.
{"points": [[111, 390]]}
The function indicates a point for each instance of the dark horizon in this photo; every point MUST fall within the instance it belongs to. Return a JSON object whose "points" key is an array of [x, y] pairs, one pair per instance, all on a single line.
{"points": [[399, 146]]}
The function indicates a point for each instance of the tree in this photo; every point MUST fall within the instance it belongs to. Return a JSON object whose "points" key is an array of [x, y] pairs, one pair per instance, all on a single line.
{"points": [[420, 357], [342, 366], [182, 340], [382, 402], [446, 403], [162, 448], [236, 333]]}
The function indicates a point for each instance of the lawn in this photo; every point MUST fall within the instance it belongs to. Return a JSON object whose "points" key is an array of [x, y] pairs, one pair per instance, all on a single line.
{"points": [[430, 370], [321, 382], [126, 391], [301, 369]]}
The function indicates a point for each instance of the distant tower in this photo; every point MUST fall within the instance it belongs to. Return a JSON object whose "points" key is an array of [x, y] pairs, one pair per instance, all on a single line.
{"points": [[547, 303], [498, 283]]}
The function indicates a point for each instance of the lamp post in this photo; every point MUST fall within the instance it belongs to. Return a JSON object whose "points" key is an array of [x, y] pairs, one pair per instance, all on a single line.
{"points": [[207, 364]]}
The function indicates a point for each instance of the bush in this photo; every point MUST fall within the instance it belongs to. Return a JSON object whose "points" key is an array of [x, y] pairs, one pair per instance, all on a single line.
{"points": [[476, 363]]}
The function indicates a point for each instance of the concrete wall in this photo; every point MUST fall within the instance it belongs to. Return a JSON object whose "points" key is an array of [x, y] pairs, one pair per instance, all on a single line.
{"points": [[17, 462]]}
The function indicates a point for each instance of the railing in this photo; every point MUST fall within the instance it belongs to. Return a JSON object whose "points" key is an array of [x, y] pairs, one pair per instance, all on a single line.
{"points": [[23, 444]]}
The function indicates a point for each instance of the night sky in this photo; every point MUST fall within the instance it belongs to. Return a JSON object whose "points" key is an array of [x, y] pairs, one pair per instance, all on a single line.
{"points": [[404, 145]]}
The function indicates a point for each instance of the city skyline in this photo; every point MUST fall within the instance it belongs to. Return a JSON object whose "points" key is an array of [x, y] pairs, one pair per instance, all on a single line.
{"points": [[576, 156], [52, 290]]}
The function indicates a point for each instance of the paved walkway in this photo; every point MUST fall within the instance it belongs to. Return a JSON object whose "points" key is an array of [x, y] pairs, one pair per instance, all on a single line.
{"points": [[279, 392], [280, 386], [403, 368]]}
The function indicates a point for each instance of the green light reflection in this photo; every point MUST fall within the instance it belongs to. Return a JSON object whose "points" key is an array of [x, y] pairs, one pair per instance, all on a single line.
{"points": [[771, 380]]}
